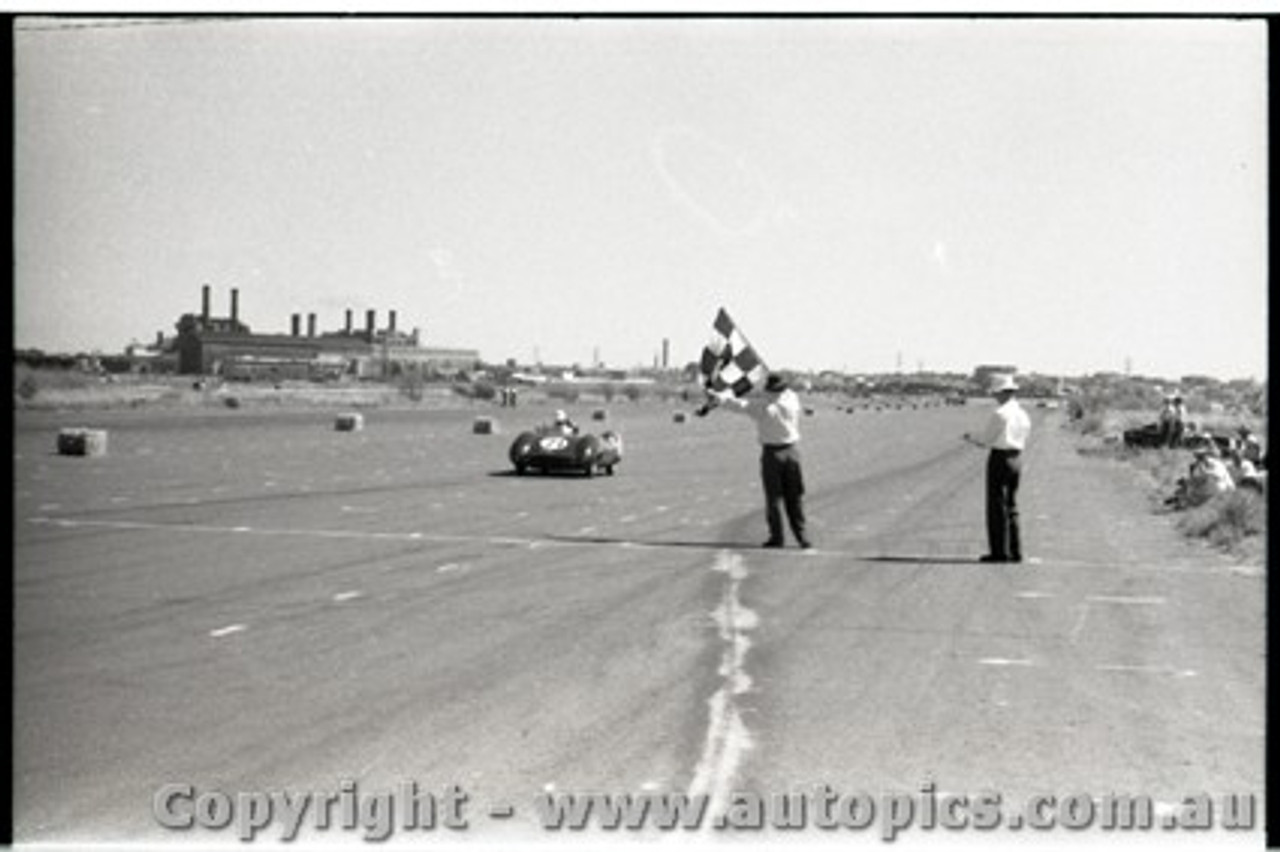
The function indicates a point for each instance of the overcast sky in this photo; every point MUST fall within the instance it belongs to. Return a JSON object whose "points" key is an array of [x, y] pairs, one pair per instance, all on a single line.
{"points": [[1064, 195]]}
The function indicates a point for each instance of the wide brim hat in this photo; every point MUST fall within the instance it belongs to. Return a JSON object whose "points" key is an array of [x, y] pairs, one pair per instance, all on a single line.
{"points": [[1004, 383]]}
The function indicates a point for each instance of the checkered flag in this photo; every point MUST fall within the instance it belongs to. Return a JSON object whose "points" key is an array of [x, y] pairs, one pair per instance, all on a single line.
{"points": [[728, 361]]}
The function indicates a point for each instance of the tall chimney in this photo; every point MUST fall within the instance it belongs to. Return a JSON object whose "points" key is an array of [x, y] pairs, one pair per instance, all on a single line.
{"points": [[391, 321], [311, 325], [348, 320], [235, 306], [370, 319], [159, 339], [666, 353], [296, 325], [204, 305]]}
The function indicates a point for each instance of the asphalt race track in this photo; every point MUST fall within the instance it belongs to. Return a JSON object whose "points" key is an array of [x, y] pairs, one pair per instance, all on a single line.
{"points": [[251, 600]]}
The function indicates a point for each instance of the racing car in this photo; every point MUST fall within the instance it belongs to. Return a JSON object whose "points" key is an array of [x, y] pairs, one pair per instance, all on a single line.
{"points": [[548, 448]]}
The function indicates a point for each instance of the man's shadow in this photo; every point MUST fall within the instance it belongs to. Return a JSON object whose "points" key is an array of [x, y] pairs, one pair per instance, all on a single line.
{"points": [[754, 547]]}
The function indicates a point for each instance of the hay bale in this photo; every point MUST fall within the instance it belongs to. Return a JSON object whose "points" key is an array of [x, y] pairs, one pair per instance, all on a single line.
{"points": [[484, 426], [678, 417], [349, 421], [600, 414], [82, 442]]}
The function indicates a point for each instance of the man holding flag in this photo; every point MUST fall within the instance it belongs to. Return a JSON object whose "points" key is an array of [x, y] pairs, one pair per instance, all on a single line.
{"points": [[731, 371]]}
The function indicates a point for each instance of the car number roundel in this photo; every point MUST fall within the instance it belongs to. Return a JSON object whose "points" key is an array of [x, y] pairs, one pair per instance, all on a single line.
{"points": [[554, 443]]}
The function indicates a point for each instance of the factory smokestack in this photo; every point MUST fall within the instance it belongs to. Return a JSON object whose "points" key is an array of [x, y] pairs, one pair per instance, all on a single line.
{"points": [[204, 305], [311, 325], [370, 320], [348, 329], [235, 306], [391, 321], [295, 325], [666, 353]]}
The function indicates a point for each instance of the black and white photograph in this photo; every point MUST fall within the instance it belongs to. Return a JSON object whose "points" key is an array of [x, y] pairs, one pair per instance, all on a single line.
{"points": [[607, 429]]}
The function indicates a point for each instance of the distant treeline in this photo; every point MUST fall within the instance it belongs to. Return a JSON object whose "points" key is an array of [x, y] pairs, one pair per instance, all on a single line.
{"points": [[39, 359]]}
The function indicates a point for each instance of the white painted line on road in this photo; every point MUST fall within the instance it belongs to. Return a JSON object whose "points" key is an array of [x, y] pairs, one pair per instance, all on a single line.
{"points": [[1126, 600], [727, 736], [626, 519], [1033, 595], [450, 567], [1004, 661], [227, 631], [535, 543], [1147, 669], [347, 596]]}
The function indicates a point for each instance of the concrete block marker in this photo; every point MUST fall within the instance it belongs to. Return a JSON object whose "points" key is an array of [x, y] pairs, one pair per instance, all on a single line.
{"points": [[600, 414], [678, 417], [349, 421], [82, 442], [484, 426]]}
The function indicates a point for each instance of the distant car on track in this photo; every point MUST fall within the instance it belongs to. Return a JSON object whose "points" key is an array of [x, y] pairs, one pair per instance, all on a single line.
{"points": [[547, 448]]}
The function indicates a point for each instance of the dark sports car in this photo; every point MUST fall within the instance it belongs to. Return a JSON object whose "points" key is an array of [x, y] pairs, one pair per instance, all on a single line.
{"points": [[550, 449]]}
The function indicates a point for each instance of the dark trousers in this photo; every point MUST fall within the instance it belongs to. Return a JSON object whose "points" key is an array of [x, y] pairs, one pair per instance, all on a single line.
{"points": [[783, 483], [1004, 470]]}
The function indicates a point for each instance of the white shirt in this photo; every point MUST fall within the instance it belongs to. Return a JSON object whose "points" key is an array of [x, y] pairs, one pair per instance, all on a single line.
{"points": [[1212, 476], [777, 417], [1008, 428]]}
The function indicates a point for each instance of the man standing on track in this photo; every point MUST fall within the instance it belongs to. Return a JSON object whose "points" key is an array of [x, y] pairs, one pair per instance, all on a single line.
{"points": [[776, 413], [1006, 436]]}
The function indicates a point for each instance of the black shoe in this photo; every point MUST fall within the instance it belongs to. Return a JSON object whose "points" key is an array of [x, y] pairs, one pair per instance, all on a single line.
{"points": [[805, 544], [1016, 557], [992, 557], [773, 542]]}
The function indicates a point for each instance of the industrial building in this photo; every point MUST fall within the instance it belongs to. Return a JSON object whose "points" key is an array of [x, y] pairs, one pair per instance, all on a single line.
{"points": [[227, 347]]}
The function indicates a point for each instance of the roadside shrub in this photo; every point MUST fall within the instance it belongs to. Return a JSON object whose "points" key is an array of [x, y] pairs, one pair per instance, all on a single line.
{"points": [[410, 384], [568, 394], [28, 387], [1228, 518], [633, 392]]}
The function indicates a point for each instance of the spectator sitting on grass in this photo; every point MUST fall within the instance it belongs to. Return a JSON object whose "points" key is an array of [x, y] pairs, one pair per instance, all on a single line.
{"points": [[1207, 478], [1244, 472], [1250, 446]]}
